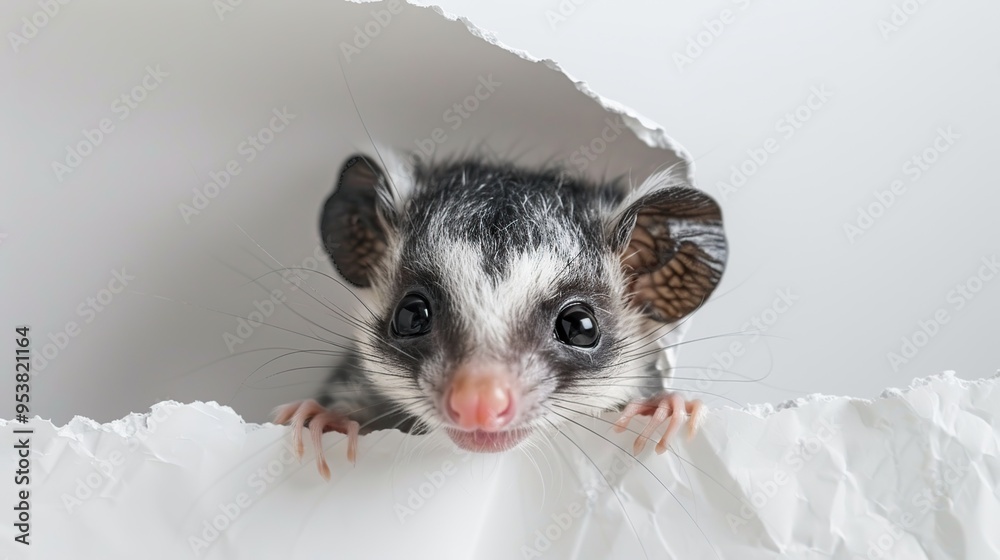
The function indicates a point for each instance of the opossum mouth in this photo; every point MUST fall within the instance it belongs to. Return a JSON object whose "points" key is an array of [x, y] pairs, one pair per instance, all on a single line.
{"points": [[482, 441]]}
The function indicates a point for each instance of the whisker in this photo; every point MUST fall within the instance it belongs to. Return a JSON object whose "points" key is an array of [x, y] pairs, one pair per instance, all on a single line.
{"points": [[337, 311], [670, 448], [606, 481], [236, 316], [311, 289], [350, 92], [329, 305], [634, 357], [568, 419], [264, 349]]}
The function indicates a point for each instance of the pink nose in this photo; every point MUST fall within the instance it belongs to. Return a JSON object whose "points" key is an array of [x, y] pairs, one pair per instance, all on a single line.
{"points": [[481, 399]]}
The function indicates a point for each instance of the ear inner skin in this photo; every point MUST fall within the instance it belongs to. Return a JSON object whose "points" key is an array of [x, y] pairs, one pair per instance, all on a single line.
{"points": [[349, 224], [676, 252]]}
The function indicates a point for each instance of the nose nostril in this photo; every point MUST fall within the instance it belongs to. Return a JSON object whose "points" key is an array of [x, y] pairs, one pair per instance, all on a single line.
{"points": [[480, 402], [509, 409], [453, 407], [504, 406], [496, 409]]}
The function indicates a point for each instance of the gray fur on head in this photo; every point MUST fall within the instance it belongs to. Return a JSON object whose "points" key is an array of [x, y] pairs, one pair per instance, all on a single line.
{"points": [[499, 251]]}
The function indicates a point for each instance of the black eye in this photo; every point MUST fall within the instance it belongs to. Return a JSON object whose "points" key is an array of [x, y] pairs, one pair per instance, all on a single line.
{"points": [[577, 326], [412, 316]]}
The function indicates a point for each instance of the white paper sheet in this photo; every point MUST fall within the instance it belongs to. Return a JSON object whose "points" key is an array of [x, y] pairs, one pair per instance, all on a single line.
{"points": [[912, 474]]}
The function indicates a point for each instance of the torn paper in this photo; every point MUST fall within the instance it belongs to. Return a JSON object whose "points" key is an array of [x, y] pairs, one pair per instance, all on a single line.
{"points": [[911, 474]]}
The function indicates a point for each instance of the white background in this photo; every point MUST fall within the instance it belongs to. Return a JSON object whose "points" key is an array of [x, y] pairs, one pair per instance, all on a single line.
{"points": [[891, 93]]}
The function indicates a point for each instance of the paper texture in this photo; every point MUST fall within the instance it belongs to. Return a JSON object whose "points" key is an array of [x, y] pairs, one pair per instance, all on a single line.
{"points": [[911, 474]]}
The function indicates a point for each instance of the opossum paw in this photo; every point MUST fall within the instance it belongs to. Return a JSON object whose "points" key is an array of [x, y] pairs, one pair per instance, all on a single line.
{"points": [[665, 407], [310, 414]]}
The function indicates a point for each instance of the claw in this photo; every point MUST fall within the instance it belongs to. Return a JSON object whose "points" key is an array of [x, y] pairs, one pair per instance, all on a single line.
{"points": [[666, 407], [310, 414], [631, 409]]}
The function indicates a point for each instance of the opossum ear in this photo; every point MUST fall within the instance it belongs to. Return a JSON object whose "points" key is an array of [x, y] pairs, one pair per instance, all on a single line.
{"points": [[350, 226], [673, 249]]}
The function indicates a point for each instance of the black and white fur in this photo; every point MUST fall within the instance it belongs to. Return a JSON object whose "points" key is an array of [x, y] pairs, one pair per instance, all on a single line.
{"points": [[498, 250]]}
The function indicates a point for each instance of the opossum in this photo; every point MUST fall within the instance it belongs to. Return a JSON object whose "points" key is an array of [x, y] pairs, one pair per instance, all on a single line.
{"points": [[497, 291]]}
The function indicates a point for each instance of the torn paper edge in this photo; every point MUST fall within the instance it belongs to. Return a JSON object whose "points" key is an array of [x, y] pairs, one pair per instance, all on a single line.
{"points": [[136, 421], [645, 129]]}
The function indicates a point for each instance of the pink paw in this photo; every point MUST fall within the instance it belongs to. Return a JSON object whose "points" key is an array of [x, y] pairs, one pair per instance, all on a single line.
{"points": [[661, 408], [309, 413]]}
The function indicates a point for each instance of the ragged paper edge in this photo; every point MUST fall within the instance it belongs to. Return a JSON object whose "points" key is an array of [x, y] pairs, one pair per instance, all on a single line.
{"points": [[137, 421], [948, 377], [646, 130]]}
